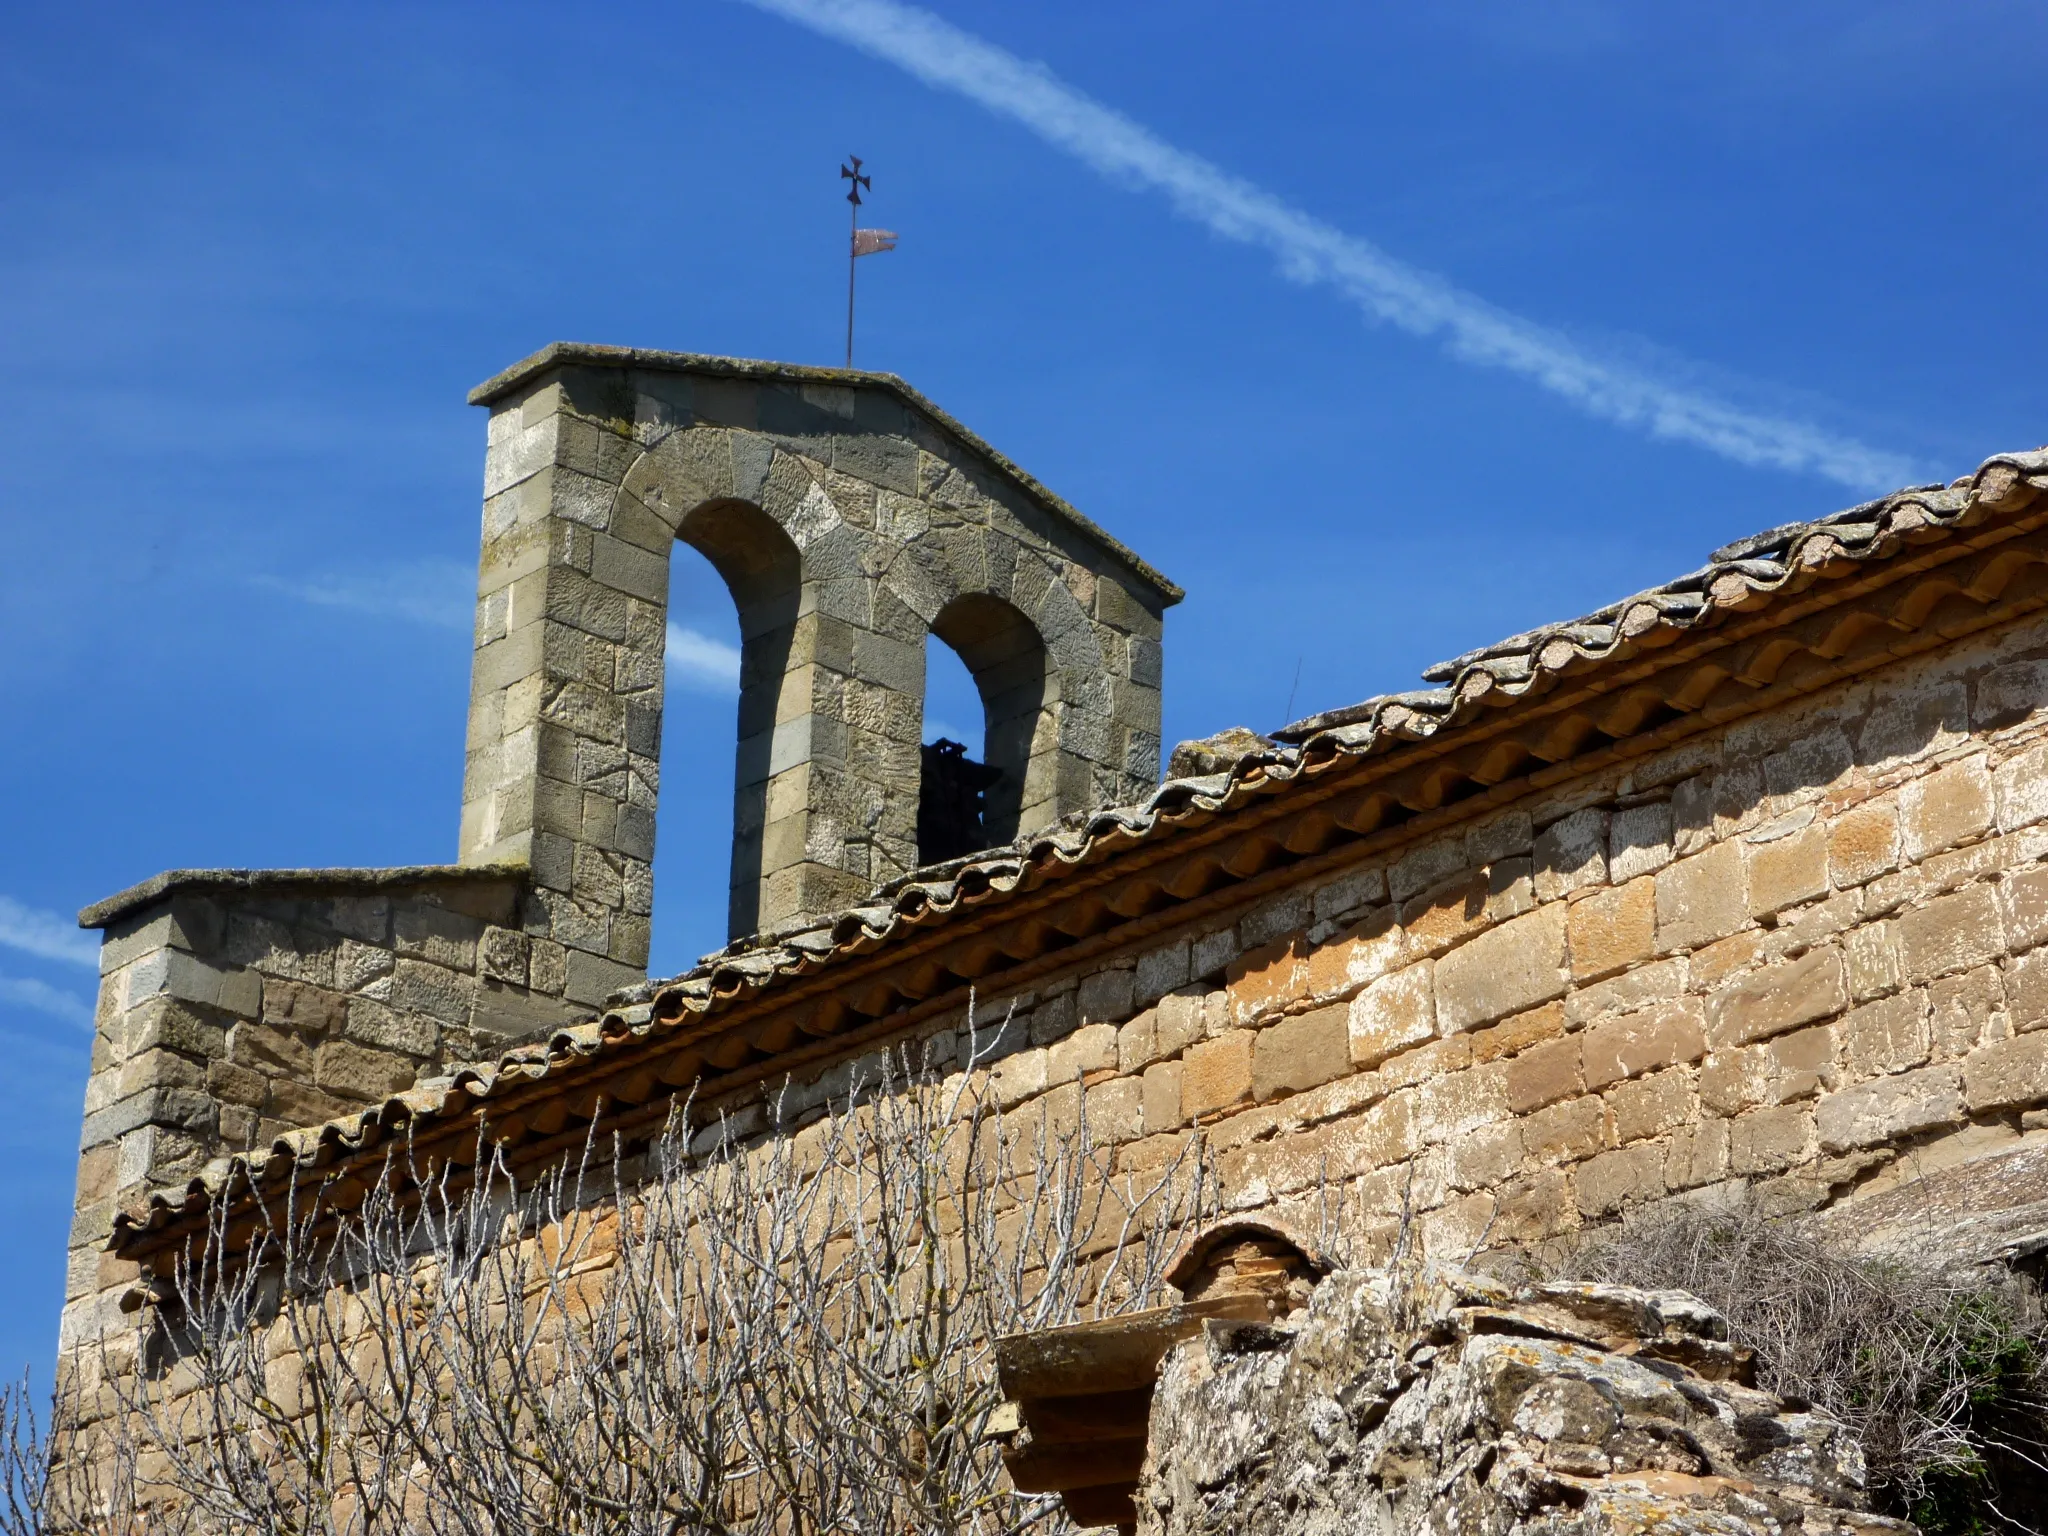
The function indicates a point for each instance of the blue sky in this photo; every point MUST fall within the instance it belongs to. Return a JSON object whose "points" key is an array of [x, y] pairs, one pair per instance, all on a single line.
{"points": [[1386, 331]]}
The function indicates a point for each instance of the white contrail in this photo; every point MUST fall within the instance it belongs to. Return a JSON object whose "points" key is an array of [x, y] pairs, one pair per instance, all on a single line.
{"points": [[1311, 251], [437, 592]]}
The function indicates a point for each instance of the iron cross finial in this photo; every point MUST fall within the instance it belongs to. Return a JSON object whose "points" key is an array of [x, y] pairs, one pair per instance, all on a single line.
{"points": [[858, 180]]}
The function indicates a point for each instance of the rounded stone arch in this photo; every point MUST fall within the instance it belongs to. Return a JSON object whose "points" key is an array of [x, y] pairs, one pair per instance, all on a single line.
{"points": [[1086, 771], [1019, 689], [1025, 635], [840, 581], [681, 489]]}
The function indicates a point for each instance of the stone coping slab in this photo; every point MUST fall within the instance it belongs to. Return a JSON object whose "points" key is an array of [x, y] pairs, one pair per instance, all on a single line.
{"points": [[102, 914]]}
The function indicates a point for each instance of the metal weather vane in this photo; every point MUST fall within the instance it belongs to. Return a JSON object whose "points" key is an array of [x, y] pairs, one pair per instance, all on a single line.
{"points": [[862, 242]]}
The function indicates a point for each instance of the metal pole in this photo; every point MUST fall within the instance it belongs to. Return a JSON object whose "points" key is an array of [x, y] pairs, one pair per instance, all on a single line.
{"points": [[852, 174], [852, 266]]}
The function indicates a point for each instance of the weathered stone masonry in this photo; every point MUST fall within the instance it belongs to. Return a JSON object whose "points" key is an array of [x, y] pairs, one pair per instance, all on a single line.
{"points": [[1742, 879], [1803, 952], [233, 1010], [1793, 953]]}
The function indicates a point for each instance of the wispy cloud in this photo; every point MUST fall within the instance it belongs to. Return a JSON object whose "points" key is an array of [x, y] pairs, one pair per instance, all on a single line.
{"points": [[1312, 252], [442, 592], [437, 592], [46, 935], [40, 996], [700, 663]]}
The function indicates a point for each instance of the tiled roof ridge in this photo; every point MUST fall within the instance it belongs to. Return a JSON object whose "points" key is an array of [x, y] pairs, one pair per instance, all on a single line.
{"points": [[1765, 559], [1497, 674]]}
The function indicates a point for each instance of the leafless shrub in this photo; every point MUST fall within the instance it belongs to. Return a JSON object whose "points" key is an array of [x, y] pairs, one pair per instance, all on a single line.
{"points": [[24, 1468], [1942, 1374], [707, 1333]]}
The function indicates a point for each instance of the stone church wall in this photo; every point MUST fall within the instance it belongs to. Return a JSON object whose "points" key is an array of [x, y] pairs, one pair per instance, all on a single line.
{"points": [[230, 1013], [1801, 951], [1804, 951]]}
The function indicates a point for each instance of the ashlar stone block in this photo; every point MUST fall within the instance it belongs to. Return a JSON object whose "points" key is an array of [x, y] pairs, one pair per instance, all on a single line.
{"points": [[1615, 1180], [1887, 1036], [1264, 980], [1393, 1014], [2007, 1074], [1455, 1104], [1778, 998], [1891, 1108], [1801, 1064], [1945, 808], [1785, 871], [1662, 1035], [1162, 1098], [2009, 694], [1951, 933], [1092, 1048], [1965, 1010], [1516, 1034], [1505, 970], [1544, 1074], [1216, 1075], [356, 1072], [1863, 843], [1160, 971], [1571, 853], [1301, 1052], [1565, 1132], [1650, 1106], [2020, 786], [1701, 898], [1639, 841], [2023, 906], [1359, 955], [1107, 995], [2026, 991], [1611, 930], [1768, 1141]]}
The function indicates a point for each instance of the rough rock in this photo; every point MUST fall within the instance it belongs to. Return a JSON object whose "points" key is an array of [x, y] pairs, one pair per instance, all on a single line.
{"points": [[1456, 1404], [1215, 754]]}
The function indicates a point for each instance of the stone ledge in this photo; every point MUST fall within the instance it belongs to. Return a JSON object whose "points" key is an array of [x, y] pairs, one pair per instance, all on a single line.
{"points": [[102, 914]]}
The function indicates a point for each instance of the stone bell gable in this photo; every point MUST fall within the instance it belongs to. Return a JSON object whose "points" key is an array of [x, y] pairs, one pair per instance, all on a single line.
{"points": [[850, 519]]}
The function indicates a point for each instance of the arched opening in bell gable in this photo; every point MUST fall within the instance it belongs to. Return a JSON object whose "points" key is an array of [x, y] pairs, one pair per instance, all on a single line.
{"points": [[734, 595], [987, 678]]}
